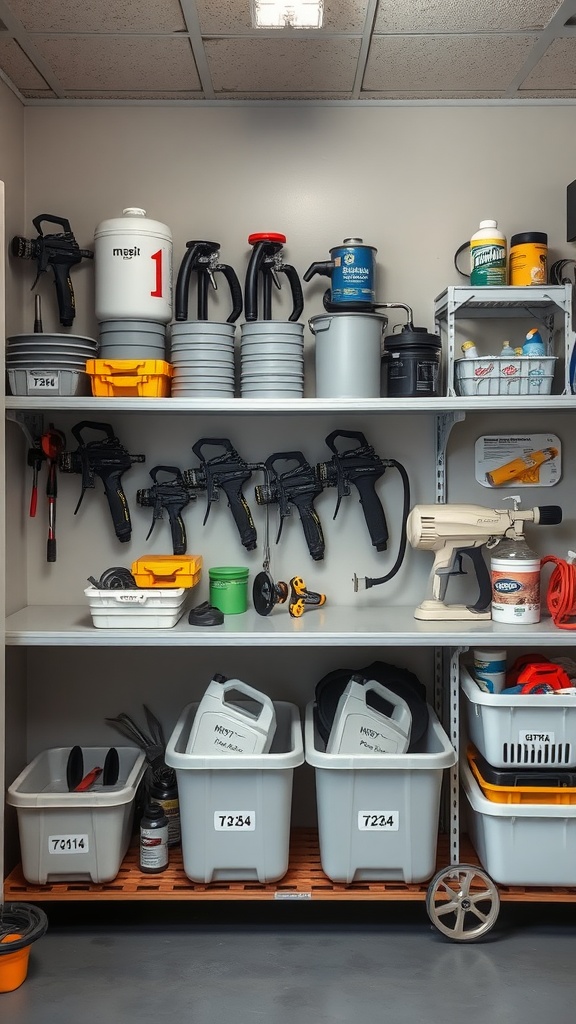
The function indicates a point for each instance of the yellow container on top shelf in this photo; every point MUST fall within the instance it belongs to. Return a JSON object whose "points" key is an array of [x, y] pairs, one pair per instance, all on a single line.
{"points": [[130, 378], [167, 570]]}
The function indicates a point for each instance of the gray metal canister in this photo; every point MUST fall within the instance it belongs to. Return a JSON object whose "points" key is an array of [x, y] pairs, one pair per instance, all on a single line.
{"points": [[348, 351]]}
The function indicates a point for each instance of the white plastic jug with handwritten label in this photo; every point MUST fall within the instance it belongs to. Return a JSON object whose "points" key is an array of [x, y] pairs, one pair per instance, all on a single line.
{"points": [[225, 725], [361, 727]]}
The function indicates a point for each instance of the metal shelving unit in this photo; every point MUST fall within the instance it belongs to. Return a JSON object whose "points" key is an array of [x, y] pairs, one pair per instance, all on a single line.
{"points": [[551, 305], [342, 626]]}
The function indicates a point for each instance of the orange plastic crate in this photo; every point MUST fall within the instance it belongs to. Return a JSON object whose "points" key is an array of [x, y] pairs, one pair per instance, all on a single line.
{"points": [[167, 570], [519, 794], [135, 378]]}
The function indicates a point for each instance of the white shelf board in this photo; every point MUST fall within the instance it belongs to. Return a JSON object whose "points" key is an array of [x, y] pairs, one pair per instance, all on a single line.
{"points": [[71, 625], [275, 406]]}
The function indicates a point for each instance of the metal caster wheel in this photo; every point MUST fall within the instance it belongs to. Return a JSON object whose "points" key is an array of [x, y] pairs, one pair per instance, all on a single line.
{"points": [[463, 902]]}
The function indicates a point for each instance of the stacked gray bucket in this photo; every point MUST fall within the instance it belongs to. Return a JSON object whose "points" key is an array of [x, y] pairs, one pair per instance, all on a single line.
{"points": [[132, 339], [272, 359], [202, 354]]}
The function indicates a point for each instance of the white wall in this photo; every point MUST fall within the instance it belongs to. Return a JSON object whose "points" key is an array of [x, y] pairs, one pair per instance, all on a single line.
{"points": [[412, 181]]}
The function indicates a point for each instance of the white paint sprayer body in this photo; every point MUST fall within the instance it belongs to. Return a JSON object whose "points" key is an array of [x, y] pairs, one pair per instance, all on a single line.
{"points": [[133, 268], [454, 530]]}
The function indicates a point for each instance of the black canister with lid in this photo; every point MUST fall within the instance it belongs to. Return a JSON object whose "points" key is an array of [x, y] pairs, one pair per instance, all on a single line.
{"points": [[412, 363]]}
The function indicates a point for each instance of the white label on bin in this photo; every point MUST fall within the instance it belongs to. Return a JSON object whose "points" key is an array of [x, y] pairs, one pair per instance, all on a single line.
{"points": [[68, 844], [39, 382], [537, 739], [238, 821], [378, 821]]}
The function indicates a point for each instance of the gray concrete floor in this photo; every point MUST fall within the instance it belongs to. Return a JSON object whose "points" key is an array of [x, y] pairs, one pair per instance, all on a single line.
{"points": [[295, 965]]}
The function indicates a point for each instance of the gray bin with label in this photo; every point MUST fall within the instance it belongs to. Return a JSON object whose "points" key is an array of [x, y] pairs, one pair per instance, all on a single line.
{"points": [[74, 837], [378, 813], [235, 810]]}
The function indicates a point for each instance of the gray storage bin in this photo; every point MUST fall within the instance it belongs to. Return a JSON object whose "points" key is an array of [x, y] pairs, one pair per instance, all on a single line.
{"points": [[235, 809], [520, 730], [74, 837], [521, 844], [378, 813]]}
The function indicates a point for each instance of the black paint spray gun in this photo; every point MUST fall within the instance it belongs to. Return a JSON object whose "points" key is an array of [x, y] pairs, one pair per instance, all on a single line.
{"points": [[204, 259], [266, 262], [170, 495], [59, 251], [361, 466], [107, 458], [226, 471], [297, 486]]}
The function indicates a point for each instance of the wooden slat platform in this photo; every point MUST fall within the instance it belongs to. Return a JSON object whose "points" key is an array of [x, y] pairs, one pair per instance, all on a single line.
{"points": [[304, 880]]}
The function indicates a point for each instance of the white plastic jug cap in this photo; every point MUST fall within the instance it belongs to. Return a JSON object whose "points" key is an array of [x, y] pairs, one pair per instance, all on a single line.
{"points": [[488, 224], [133, 211]]}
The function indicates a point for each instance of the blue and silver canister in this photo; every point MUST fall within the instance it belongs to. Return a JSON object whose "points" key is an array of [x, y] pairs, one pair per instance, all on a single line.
{"points": [[352, 273]]}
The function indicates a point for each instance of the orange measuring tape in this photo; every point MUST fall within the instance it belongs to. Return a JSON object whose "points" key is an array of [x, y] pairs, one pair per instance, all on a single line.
{"points": [[561, 593]]}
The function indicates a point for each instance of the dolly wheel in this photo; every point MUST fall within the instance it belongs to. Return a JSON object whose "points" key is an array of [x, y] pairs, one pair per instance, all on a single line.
{"points": [[463, 902]]}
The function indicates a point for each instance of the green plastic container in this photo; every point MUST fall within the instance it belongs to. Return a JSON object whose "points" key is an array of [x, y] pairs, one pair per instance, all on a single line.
{"points": [[229, 589]]}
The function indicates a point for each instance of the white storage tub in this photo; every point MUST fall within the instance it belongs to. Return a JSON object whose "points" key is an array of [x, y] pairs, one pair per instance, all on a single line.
{"points": [[235, 809], [520, 730], [521, 844], [49, 382], [74, 837], [378, 813], [500, 375], [145, 608]]}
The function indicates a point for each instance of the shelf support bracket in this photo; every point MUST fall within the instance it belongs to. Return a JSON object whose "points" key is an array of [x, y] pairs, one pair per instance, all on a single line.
{"points": [[452, 726], [31, 424], [444, 423]]}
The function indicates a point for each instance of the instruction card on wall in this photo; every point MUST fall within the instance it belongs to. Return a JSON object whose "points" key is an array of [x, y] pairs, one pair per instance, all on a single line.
{"points": [[518, 460]]}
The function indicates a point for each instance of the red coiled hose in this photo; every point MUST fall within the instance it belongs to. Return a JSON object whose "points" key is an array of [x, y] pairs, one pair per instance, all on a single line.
{"points": [[561, 593]]}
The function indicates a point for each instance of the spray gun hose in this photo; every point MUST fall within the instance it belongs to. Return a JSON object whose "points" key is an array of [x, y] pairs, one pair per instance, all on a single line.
{"points": [[375, 582]]}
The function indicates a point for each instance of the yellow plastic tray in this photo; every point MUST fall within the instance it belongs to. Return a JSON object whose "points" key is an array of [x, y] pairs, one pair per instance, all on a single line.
{"points": [[139, 378], [520, 794], [167, 570]]}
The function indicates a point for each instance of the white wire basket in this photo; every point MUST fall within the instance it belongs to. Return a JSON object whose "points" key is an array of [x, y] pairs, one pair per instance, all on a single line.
{"points": [[499, 375]]}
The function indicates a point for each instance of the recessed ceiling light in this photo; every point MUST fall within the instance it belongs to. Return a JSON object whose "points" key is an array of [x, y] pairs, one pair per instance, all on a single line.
{"points": [[287, 13]]}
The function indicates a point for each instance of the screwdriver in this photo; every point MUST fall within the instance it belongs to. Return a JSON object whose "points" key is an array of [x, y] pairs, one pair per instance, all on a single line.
{"points": [[53, 442], [35, 460]]}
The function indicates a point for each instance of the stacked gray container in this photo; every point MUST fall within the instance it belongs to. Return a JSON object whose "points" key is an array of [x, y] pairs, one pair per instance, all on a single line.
{"points": [[202, 354], [272, 360]]}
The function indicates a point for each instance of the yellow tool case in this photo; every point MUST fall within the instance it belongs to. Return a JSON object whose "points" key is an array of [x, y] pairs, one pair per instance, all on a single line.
{"points": [[136, 378], [167, 570]]}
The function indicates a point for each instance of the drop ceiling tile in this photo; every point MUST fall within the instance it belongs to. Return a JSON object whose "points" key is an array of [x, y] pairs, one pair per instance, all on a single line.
{"points": [[464, 16], [438, 63], [556, 69], [283, 65], [99, 15], [128, 63], [18, 67], [234, 16], [38, 94]]}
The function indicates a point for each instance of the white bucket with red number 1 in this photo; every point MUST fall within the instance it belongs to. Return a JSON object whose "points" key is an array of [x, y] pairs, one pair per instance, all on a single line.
{"points": [[133, 268]]}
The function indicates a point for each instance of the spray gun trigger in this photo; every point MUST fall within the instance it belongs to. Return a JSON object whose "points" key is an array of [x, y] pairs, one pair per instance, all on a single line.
{"points": [[275, 278]]}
